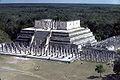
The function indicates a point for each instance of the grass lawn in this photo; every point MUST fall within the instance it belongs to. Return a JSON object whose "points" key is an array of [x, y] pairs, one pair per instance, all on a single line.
{"points": [[12, 68]]}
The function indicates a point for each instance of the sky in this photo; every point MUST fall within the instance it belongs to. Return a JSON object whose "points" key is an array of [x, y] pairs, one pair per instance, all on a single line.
{"points": [[63, 1]]}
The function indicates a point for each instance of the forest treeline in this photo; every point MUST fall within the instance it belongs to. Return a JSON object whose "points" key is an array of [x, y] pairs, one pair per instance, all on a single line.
{"points": [[103, 20]]}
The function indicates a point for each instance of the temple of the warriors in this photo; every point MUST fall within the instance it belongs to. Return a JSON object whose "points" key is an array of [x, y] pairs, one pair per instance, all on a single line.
{"points": [[59, 34], [57, 40]]}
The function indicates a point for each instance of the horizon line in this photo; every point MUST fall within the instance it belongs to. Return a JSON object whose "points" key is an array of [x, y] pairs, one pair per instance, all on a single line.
{"points": [[57, 3]]}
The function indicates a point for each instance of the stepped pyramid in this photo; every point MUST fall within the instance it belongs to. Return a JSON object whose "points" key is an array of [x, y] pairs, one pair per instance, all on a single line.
{"points": [[47, 32]]}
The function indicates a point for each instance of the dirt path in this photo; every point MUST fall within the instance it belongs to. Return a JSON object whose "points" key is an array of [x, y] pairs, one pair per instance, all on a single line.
{"points": [[22, 72]]}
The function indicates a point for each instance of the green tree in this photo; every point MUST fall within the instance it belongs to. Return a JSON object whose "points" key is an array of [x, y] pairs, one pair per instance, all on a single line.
{"points": [[99, 69], [118, 51], [116, 67]]}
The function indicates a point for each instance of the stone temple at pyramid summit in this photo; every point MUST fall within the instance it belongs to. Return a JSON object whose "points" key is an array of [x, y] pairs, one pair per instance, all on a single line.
{"points": [[50, 39], [65, 34]]}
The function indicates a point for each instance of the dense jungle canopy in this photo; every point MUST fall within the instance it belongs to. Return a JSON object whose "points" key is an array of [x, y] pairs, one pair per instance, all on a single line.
{"points": [[103, 20]]}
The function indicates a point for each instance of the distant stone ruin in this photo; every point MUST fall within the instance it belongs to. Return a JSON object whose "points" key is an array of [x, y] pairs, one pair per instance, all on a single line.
{"points": [[56, 40]]}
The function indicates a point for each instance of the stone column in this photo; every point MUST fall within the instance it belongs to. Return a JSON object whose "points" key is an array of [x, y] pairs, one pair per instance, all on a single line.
{"points": [[30, 50], [67, 51], [46, 53], [52, 52], [76, 54], [25, 49], [2, 47], [19, 48], [49, 50], [15, 48], [106, 57], [40, 51], [97, 56], [35, 51], [61, 51], [55, 52], [72, 52], [113, 56], [64, 53], [11, 48], [5, 48], [92, 56]]}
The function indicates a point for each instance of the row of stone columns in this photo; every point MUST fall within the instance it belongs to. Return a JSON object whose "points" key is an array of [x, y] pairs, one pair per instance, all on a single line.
{"points": [[59, 52], [96, 55], [39, 51]]}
